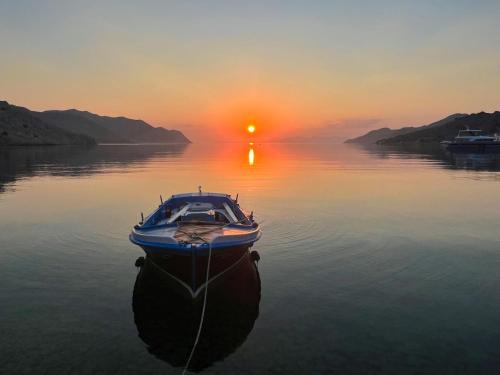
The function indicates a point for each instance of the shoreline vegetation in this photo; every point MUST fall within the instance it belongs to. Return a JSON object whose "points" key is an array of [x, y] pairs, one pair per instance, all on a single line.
{"points": [[444, 129], [20, 126]]}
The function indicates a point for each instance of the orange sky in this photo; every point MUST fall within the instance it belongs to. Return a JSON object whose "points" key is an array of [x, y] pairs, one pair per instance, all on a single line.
{"points": [[331, 69]]}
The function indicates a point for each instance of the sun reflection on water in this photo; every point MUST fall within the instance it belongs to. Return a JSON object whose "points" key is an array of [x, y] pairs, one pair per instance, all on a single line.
{"points": [[251, 155]]}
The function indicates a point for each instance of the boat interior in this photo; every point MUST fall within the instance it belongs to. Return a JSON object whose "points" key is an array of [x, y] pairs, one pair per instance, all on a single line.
{"points": [[200, 210]]}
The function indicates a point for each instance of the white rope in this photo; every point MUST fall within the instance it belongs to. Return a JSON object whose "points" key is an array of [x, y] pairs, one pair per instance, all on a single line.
{"points": [[200, 326], [195, 236]]}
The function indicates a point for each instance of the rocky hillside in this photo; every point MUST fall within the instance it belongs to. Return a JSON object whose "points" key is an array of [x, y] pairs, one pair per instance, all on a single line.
{"points": [[376, 136], [111, 129], [489, 123], [18, 126]]}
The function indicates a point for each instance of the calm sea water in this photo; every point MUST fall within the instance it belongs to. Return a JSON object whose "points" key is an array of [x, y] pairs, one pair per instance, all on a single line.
{"points": [[375, 261]]}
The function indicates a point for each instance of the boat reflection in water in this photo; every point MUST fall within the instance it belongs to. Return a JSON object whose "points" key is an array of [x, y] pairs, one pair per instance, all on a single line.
{"points": [[458, 158], [167, 317], [487, 161]]}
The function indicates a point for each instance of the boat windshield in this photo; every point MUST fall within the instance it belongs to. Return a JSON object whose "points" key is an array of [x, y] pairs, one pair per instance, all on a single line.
{"points": [[469, 133]]}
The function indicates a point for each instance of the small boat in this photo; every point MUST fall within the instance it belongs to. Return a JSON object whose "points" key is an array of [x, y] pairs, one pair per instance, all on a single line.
{"points": [[190, 230], [196, 221], [469, 139]]}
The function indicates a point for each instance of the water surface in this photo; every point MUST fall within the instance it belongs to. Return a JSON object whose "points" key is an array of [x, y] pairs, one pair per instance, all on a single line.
{"points": [[378, 261]]}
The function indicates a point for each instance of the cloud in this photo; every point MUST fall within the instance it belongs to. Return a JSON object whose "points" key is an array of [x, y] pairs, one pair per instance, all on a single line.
{"points": [[334, 131]]}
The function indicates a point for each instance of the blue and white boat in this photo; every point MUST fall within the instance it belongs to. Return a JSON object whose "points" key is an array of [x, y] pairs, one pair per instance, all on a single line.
{"points": [[196, 221], [473, 140], [190, 233]]}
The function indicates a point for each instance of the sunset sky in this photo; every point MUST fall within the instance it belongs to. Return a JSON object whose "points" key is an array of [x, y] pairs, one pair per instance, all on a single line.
{"points": [[291, 68]]}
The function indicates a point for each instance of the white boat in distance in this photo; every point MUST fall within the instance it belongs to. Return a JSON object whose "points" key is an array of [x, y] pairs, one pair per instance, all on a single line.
{"points": [[473, 139]]}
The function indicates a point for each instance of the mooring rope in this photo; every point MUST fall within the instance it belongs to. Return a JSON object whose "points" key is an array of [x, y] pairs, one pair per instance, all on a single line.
{"points": [[198, 236], [194, 236]]}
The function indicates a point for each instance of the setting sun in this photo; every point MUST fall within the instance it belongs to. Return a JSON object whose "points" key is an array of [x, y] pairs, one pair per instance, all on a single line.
{"points": [[251, 128]]}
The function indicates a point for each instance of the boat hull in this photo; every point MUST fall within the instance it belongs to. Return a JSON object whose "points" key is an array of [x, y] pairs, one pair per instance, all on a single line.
{"points": [[474, 147], [168, 323], [186, 271], [159, 242]]}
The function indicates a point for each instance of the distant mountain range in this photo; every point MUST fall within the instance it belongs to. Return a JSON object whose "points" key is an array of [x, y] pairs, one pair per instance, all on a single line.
{"points": [[391, 136], [20, 126], [489, 123]]}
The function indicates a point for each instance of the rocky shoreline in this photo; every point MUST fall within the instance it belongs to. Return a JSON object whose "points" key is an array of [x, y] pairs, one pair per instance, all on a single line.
{"points": [[20, 126]]}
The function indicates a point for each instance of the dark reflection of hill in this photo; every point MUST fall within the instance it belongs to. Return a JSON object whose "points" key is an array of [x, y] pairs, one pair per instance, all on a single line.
{"points": [[168, 321], [22, 162], [479, 161]]}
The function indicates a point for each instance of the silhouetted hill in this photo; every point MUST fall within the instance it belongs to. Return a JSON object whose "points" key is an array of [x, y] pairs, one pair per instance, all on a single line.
{"points": [[375, 136], [112, 129], [18, 126], [489, 123], [72, 121]]}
